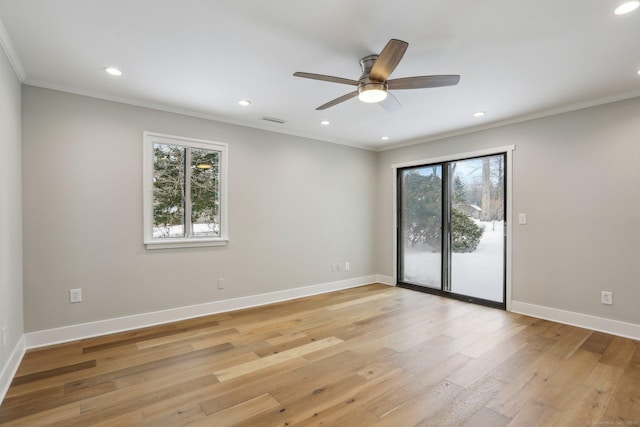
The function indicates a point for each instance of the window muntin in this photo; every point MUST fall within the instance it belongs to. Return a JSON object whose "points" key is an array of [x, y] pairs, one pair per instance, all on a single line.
{"points": [[185, 197]]}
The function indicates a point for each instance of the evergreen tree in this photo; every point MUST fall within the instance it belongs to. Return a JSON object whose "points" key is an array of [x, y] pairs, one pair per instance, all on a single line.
{"points": [[465, 233], [459, 191], [422, 208]]}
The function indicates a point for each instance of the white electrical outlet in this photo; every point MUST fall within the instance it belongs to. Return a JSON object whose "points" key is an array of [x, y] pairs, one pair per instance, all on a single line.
{"points": [[338, 267], [347, 266], [606, 297], [75, 295], [220, 283]]}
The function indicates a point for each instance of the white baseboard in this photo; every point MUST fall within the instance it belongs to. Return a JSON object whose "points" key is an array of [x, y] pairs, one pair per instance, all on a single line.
{"points": [[614, 327], [11, 367], [386, 280], [120, 324]]}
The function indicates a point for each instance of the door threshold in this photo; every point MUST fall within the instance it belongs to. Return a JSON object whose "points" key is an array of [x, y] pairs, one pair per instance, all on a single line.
{"points": [[452, 295]]}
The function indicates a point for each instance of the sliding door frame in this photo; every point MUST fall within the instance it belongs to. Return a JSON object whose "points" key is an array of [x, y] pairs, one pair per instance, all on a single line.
{"points": [[508, 152]]}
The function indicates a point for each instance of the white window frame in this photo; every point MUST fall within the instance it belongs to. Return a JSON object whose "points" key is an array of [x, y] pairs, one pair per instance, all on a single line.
{"points": [[151, 138]]}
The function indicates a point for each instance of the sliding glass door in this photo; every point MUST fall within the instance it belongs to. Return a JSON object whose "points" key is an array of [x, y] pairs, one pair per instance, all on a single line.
{"points": [[451, 229]]}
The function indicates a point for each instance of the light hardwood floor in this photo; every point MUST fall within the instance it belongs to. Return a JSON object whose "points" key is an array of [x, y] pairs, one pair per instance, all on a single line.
{"points": [[369, 356]]}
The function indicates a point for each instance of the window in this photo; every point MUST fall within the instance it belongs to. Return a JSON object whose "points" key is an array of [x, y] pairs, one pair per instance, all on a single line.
{"points": [[184, 192]]}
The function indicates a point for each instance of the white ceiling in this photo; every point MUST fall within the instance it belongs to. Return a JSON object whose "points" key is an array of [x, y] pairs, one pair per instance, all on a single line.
{"points": [[517, 58]]}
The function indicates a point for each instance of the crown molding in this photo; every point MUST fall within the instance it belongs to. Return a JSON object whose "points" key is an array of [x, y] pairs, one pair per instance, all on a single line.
{"points": [[13, 57]]}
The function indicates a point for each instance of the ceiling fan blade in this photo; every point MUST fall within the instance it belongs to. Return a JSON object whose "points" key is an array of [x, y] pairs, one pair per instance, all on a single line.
{"points": [[422, 82], [388, 60], [338, 100], [390, 103], [324, 78]]}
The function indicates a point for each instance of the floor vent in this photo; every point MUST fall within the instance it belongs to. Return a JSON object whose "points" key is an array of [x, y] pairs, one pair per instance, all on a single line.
{"points": [[273, 120]]}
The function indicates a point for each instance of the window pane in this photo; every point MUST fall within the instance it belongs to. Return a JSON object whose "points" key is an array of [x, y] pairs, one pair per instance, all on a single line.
{"points": [[168, 191], [205, 188], [421, 262], [477, 228]]}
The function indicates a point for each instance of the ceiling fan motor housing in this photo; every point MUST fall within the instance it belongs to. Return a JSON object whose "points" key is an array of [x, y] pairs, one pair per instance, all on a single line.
{"points": [[366, 64], [375, 90]]}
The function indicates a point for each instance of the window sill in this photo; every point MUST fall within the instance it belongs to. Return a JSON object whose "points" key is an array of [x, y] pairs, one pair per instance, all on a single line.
{"points": [[185, 243]]}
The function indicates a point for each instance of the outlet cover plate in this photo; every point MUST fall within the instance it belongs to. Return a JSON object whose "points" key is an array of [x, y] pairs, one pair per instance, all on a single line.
{"points": [[75, 295]]}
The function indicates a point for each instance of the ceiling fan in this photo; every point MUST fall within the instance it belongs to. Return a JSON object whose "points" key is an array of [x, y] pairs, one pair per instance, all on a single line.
{"points": [[373, 85]]}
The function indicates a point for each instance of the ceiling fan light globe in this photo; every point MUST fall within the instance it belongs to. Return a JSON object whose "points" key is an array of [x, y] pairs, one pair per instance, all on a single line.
{"points": [[372, 92]]}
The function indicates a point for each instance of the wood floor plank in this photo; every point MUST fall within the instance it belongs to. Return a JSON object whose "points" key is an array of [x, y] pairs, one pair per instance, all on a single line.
{"points": [[597, 342], [274, 359], [141, 336], [42, 417], [535, 414], [373, 355], [420, 386], [485, 417], [420, 407], [570, 340], [111, 408], [619, 352], [133, 418], [142, 368], [221, 336], [492, 340], [228, 397], [432, 352], [181, 402], [561, 388], [524, 388], [592, 399], [243, 411], [465, 405], [36, 376], [308, 402], [187, 414], [478, 368], [623, 407], [341, 408]]}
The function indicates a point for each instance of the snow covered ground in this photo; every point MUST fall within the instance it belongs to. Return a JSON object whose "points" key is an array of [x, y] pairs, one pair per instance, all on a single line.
{"points": [[478, 274], [199, 230]]}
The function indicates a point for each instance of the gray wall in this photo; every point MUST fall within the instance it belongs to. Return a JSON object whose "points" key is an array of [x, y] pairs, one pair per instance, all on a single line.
{"points": [[577, 177], [296, 206], [11, 308]]}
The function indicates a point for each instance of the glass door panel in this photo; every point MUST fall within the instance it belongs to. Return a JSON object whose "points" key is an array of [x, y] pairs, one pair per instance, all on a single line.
{"points": [[477, 237], [420, 232]]}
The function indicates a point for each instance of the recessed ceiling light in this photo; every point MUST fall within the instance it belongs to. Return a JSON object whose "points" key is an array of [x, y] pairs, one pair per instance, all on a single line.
{"points": [[479, 114], [325, 123], [626, 7], [385, 138], [244, 102], [113, 71]]}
